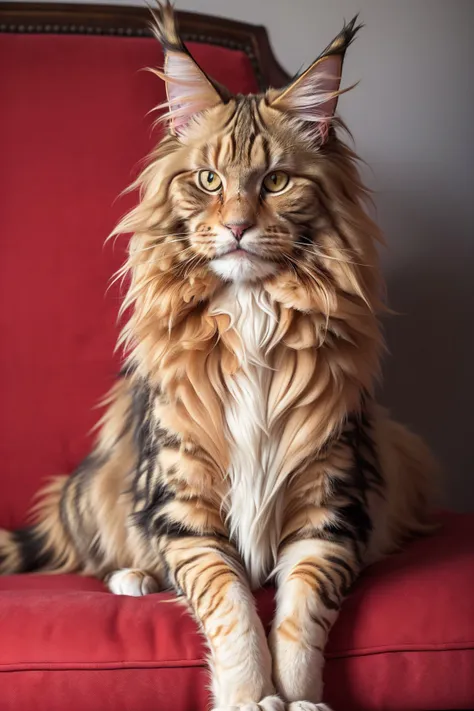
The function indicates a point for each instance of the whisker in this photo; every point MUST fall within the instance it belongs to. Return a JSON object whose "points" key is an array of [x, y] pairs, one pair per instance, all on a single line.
{"points": [[167, 234], [290, 264], [154, 235], [322, 285], [305, 245], [323, 255], [312, 249], [183, 269], [159, 244], [193, 264], [205, 239], [151, 262]]}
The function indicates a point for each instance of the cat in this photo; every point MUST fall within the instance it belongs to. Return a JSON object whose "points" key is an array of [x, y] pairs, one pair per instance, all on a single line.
{"points": [[242, 443]]}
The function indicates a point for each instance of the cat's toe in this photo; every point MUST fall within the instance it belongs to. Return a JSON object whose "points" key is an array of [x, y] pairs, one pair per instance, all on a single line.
{"points": [[130, 581], [269, 703], [307, 706]]}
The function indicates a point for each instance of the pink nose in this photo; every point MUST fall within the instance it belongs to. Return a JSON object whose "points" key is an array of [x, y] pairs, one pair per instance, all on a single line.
{"points": [[238, 229]]}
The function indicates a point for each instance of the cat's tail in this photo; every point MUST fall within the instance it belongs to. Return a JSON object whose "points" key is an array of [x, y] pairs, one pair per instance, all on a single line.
{"points": [[414, 483], [43, 546]]}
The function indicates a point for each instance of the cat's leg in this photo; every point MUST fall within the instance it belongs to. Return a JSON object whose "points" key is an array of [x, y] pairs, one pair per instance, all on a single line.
{"points": [[313, 576], [207, 571]]}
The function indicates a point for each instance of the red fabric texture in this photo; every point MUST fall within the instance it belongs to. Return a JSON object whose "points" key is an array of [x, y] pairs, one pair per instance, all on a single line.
{"points": [[74, 130], [404, 640]]}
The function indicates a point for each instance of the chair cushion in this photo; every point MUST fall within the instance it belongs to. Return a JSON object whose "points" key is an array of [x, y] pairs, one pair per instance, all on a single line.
{"points": [[404, 640], [74, 128]]}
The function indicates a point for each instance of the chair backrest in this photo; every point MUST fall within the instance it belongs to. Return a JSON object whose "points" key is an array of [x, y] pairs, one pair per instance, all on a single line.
{"points": [[74, 128]]}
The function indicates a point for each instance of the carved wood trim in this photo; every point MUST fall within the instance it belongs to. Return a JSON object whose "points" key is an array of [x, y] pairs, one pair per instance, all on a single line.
{"points": [[126, 21]]}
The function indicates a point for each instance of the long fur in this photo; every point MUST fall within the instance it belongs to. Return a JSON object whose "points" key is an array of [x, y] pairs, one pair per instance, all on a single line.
{"points": [[242, 442]]}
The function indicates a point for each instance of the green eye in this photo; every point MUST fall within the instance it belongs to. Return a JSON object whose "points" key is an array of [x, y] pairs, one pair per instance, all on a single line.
{"points": [[209, 181], [276, 182]]}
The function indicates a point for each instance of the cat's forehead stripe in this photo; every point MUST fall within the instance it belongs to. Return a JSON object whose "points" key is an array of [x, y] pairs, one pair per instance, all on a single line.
{"points": [[242, 140]]}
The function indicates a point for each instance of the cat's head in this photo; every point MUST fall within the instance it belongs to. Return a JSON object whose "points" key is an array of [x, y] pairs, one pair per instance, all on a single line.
{"points": [[252, 187], [242, 171]]}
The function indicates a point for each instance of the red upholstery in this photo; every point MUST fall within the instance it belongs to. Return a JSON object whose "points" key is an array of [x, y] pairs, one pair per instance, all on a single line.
{"points": [[72, 132], [404, 640]]}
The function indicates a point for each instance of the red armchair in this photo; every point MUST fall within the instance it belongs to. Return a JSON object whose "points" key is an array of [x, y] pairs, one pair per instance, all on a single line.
{"points": [[74, 126]]}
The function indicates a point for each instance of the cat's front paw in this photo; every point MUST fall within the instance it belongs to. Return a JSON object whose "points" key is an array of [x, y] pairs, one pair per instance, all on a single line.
{"points": [[131, 581], [269, 703], [307, 706]]}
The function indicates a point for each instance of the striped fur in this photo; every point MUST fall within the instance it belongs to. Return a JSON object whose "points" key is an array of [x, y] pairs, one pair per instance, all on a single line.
{"points": [[242, 441]]}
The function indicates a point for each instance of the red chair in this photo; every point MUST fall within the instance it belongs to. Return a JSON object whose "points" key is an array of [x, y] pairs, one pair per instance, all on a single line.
{"points": [[74, 127]]}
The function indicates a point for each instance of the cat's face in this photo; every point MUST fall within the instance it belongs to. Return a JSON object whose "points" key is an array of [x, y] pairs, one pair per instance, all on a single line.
{"points": [[240, 179], [246, 199]]}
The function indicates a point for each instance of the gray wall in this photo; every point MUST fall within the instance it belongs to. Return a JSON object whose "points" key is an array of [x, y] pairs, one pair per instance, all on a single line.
{"points": [[412, 116]]}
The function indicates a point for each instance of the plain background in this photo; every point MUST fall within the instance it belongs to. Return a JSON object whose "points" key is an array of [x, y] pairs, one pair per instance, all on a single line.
{"points": [[412, 116]]}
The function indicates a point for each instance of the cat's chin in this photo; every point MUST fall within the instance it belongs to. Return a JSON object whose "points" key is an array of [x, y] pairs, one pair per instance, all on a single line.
{"points": [[240, 266]]}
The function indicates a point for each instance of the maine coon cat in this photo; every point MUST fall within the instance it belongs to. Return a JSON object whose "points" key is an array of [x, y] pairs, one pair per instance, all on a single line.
{"points": [[242, 442]]}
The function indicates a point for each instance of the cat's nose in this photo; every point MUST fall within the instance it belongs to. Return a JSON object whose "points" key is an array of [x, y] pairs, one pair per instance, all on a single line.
{"points": [[238, 229]]}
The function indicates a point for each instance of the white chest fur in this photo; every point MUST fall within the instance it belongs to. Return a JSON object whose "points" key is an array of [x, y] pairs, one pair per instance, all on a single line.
{"points": [[255, 505]]}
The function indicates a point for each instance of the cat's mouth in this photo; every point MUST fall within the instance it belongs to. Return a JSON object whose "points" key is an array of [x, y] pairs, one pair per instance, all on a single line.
{"points": [[239, 253], [241, 264]]}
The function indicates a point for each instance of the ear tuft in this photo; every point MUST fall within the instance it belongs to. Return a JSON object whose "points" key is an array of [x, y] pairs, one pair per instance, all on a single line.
{"points": [[341, 42], [188, 88], [312, 95]]}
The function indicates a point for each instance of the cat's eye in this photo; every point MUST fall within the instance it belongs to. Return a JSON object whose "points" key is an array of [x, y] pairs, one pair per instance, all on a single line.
{"points": [[276, 182], [209, 181]]}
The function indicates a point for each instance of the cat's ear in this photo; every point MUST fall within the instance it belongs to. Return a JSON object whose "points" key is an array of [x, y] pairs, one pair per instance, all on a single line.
{"points": [[188, 88], [312, 95]]}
